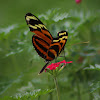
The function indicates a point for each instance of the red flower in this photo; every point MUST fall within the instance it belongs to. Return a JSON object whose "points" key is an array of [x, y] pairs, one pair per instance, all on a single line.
{"points": [[54, 65], [78, 1]]}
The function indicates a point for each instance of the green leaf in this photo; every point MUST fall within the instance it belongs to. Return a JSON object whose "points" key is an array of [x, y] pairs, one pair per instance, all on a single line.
{"points": [[94, 86], [32, 94], [91, 67]]}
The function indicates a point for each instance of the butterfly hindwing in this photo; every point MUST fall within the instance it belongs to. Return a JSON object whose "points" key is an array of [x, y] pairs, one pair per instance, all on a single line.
{"points": [[61, 39], [57, 45]]}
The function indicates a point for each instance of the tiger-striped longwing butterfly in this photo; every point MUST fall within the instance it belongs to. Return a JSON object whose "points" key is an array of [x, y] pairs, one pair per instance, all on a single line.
{"points": [[45, 45]]}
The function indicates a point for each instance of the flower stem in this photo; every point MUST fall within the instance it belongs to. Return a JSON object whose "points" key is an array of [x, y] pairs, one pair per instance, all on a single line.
{"points": [[55, 81], [50, 97]]}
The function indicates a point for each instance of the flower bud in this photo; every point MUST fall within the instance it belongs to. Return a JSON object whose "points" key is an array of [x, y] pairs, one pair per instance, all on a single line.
{"points": [[78, 1]]}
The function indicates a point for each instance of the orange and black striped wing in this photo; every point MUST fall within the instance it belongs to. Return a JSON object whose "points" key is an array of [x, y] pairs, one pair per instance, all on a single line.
{"points": [[57, 46], [53, 51], [40, 45], [38, 27], [62, 39]]}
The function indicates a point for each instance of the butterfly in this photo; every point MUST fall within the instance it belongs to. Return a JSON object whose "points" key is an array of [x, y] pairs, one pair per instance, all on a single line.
{"points": [[45, 45]]}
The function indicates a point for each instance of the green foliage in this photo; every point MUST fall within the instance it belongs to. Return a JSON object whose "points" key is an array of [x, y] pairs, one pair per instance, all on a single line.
{"points": [[78, 81], [29, 95], [96, 67], [32, 95]]}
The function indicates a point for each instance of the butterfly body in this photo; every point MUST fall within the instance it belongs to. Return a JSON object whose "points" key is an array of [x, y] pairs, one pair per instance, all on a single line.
{"points": [[45, 45]]}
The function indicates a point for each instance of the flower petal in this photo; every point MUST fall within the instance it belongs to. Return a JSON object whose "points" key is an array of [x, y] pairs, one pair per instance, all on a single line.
{"points": [[54, 65]]}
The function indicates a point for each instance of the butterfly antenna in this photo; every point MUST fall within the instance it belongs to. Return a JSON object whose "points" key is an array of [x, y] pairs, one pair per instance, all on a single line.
{"points": [[79, 43], [44, 68]]}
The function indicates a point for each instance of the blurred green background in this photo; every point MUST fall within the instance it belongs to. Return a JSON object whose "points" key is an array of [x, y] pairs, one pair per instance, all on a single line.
{"points": [[20, 64], [13, 11]]}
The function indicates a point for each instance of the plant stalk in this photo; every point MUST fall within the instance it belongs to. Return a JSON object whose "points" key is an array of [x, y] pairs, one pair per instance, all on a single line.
{"points": [[55, 81]]}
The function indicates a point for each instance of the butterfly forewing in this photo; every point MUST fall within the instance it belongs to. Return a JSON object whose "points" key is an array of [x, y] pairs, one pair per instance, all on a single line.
{"points": [[38, 27], [40, 45]]}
